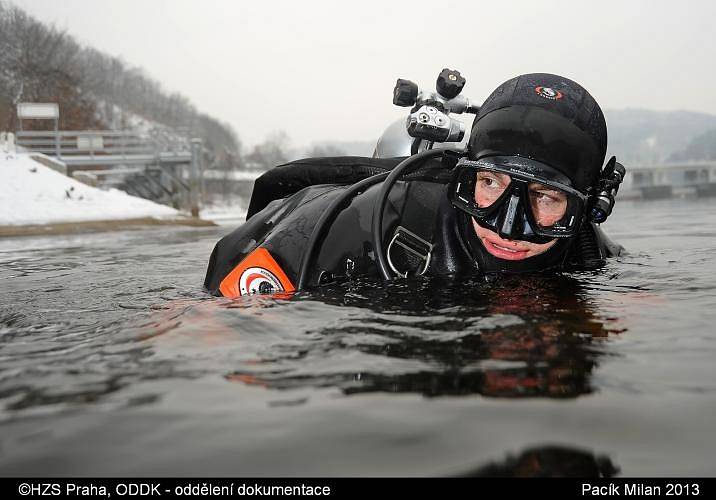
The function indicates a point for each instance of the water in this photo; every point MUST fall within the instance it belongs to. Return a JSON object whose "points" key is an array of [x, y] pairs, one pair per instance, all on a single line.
{"points": [[114, 362]]}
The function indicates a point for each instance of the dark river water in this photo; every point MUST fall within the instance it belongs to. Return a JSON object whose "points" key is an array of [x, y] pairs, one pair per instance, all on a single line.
{"points": [[113, 361]]}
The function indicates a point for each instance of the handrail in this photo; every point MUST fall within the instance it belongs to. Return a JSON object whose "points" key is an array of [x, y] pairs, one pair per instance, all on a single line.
{"points": [[72, 133], [155, 167], [127, 144]]}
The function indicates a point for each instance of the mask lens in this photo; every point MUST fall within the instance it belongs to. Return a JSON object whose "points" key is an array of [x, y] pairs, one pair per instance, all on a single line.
{"points": [[489, 186], [548, 204]]}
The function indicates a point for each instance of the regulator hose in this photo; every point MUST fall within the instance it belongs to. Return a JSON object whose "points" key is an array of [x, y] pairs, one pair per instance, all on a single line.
{"points": [[588, 248], [379, 207], [327, 216]]}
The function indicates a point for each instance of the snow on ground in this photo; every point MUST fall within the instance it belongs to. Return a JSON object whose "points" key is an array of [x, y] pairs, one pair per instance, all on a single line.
{"points": [[31, 193]]}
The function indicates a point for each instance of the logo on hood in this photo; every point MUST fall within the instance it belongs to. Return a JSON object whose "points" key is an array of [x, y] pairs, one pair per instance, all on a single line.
{"points": [[549, 93]]}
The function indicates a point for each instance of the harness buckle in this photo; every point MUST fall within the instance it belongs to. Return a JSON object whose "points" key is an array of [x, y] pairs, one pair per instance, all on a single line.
{"points": [[414, 245]]}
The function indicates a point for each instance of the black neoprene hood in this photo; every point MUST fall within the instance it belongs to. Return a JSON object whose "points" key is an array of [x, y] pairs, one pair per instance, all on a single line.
{"points": [[547, 118]]}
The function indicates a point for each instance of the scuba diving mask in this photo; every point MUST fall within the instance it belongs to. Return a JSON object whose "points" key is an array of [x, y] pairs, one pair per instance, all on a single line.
{"points": [[518, 198]]}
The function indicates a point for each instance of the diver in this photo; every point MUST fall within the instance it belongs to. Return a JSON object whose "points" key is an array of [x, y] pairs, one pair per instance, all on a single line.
{"points": [[527, 195]]}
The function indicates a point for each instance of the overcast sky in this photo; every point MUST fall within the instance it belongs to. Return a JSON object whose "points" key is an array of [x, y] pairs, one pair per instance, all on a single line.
{"points": [[326, 69]]}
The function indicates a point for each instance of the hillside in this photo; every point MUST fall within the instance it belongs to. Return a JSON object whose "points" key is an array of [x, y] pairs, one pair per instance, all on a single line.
{"points": [[639, 136], [39, 63], [702, 147]]}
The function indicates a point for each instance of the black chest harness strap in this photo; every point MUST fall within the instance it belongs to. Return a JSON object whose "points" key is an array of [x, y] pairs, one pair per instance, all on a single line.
{"points": [[411, 244]]}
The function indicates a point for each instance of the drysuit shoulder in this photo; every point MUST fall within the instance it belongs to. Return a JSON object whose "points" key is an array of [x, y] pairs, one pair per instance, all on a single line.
{"points": [[591, 249], [285, 180], [609, 247], [234, 247]]}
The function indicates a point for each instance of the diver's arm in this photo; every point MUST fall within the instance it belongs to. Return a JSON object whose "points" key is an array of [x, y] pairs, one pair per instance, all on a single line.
{"points": [[269, 244], [232, 248]]}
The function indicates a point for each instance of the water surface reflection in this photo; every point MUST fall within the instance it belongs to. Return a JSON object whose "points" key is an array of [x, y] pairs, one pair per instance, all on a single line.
{"points": [[513, 337]]}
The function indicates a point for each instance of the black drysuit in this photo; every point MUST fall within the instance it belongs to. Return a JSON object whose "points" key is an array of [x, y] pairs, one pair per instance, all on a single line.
{"points": [[424, 228]]}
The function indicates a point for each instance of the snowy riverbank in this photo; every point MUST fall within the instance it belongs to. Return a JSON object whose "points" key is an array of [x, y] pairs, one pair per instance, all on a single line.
{"points": [[31, 194]]}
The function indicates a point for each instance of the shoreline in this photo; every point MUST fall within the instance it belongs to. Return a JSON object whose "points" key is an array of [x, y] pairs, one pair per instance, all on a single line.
{"points": [[96, 226]]}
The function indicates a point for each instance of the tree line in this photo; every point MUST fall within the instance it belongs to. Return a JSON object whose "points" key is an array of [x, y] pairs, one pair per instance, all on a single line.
{"points": [[40, 63], [95, 91]]}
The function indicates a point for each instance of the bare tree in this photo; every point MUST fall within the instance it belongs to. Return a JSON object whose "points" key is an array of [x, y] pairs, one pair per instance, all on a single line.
{"points": [[271, 152]]}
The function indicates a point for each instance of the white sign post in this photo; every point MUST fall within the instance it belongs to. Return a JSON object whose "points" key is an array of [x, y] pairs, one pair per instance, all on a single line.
{"points": [[38, 110], [41, 111]]}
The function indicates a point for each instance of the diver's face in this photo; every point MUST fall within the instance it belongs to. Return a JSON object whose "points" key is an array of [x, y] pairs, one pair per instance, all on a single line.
{"points": [[509, 249], [547, 205]]}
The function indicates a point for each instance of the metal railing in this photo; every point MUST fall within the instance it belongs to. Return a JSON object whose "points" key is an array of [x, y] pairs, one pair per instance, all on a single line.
{"points": [[677, 174], [86, 143], [148, 167]]}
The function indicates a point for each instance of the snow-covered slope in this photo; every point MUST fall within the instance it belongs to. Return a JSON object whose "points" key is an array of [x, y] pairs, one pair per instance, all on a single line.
{"points": [[31, 193]]}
